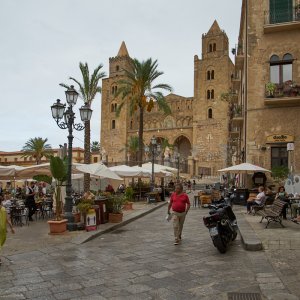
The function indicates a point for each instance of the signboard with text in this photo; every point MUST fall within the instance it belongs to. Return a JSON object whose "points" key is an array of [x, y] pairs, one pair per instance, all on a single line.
{"points": [[280, 138]]}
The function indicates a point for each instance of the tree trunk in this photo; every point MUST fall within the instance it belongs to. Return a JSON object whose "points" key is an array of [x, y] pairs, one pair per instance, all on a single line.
{"points": [[141, 131], [87, 153]]}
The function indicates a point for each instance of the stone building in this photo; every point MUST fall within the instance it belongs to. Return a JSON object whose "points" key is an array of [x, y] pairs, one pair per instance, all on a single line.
{"points": [[198, 125], [267, 81], [16, 157]]}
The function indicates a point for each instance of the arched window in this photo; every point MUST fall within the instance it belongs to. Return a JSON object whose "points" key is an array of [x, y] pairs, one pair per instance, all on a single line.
{"points": [[212, 94], [209, 113], [208, 94], [112, 89], [116, 106], [210, 48], [281, 70], [117, 68], [131, 124], [214, 47], [212, 74], [112, 108], [208, 75], [113, 124]]}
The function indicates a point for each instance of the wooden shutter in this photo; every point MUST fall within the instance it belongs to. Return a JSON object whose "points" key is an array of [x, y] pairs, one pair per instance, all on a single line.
{"points": [[281, 11]]}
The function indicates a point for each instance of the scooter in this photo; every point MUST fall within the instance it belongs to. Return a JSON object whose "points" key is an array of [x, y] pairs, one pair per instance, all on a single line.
{"points": [[222, 225]]}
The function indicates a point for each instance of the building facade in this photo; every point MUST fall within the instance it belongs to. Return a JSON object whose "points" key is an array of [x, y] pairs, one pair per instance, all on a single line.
{"points": [[16, 157], [198, 127], [267, 82]]}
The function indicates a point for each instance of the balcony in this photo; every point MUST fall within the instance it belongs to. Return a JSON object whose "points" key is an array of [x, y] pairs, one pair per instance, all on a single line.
{"points": [[287, 94], [282, 20], [237, 119], [234, 132], [236, 81], [230, 97]]}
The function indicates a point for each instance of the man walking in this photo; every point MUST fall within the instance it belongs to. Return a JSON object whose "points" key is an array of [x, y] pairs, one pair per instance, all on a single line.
{"points": [[180, 204]]}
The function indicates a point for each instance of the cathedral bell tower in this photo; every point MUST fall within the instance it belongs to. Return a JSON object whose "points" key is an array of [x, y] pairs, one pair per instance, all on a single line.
{"points": [[212, 77], [113, 128]]}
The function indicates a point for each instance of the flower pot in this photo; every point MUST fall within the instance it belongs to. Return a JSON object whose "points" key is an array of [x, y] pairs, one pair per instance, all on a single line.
{"points": [[128, 206], [77, 217], [57, 227], [115, 218]]}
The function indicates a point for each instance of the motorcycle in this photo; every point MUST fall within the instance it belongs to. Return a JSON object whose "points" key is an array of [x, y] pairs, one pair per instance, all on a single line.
{"points": [[222, 225]]}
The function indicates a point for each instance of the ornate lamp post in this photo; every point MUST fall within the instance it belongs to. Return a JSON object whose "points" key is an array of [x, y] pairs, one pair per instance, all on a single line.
{"points": [[153, 150], [177, 160], [58, 113]]}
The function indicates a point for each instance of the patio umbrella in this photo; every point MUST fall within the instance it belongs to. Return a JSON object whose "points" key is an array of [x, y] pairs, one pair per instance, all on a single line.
{"points": [[9, 172], [158, 167], [244, 168], [97, 169], [126, 171]]}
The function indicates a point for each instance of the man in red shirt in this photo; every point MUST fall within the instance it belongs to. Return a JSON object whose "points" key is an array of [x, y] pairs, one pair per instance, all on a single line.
{"points": [[180, 204]]}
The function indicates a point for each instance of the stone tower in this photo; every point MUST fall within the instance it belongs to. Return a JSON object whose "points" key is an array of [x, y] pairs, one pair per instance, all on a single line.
{"points": [[113, 128], [212, 77]]}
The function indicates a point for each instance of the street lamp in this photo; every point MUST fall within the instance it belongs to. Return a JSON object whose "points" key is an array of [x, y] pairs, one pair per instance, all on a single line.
{"points": [[58, 113], [177, 160], [153, 150]]}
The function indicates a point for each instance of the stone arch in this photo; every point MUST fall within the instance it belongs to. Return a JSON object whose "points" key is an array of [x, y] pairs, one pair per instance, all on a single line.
{"points": [[169, 122], [183, 146]]}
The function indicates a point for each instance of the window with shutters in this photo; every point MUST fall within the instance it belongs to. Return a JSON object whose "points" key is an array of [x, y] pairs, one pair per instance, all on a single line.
{"points": [[281, 11]]}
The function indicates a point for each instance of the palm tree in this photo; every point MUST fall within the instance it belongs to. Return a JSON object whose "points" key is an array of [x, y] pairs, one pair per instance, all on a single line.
{"points": [[138, 91], [87, 91], [37, 148]]}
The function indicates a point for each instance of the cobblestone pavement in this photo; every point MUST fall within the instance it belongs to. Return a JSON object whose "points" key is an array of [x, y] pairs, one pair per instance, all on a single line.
{"points": [[139, 261]]}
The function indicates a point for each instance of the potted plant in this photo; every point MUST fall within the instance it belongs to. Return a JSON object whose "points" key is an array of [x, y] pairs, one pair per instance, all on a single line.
{"points": [[116, 204], [128, 198], [270, 88], [59, 173]]}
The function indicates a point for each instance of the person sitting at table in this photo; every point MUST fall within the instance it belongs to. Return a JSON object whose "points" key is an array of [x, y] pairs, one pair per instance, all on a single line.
{"points": [[109, 188], [30, 201], [283, 196], [257, 200], [7, 203]]}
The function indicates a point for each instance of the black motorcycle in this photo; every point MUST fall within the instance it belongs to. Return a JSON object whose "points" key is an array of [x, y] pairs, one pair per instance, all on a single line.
{"points": [[222, 225]]}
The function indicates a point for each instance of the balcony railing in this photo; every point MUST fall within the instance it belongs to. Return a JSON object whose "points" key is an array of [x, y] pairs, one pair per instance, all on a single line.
{"points": [[287, 89], [282, 16], [283, 94]]}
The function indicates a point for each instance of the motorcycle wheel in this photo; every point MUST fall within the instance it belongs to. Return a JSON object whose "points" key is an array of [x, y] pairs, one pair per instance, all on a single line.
{"points": [[218, 243], [234, 235]]}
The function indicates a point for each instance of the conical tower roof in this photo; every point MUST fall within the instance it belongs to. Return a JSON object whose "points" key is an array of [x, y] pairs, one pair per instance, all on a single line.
{"points": [[215, 28], [123, 50]]}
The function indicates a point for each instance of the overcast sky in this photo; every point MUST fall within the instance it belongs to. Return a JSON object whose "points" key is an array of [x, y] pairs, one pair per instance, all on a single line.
{"points": [[43, 41]]}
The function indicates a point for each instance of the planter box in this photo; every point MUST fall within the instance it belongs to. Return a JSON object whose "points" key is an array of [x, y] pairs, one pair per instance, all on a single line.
{"points": [[115, 218], [57, 227], [77, 217]]}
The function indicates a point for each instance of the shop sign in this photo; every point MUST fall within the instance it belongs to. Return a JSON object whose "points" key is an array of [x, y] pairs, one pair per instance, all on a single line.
{"points": [[90, 223], [280, 138]]}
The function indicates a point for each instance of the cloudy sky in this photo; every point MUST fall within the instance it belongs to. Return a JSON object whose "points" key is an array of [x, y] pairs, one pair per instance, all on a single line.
{"points": [[43, 41]]}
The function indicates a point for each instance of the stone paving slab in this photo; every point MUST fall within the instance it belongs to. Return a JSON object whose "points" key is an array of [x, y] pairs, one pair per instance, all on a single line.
{"points": [[139, 261]]}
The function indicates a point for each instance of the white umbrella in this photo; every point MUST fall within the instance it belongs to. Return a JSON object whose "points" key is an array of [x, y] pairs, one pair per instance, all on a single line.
{"points": [[126, 171], [158, 167], [97, 169], [244, 168], [7, 172]]}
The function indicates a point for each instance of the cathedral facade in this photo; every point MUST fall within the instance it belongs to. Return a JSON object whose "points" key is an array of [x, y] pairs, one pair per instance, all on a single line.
{"points": [[198, 127]]}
